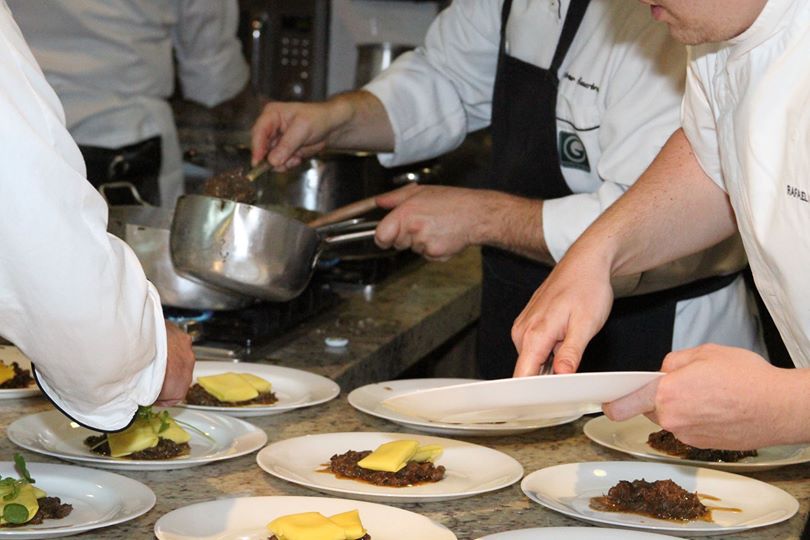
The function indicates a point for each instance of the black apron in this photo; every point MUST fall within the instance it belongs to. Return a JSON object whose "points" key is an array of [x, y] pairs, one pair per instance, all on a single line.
{"points": [[638, 333], [139, 164]]}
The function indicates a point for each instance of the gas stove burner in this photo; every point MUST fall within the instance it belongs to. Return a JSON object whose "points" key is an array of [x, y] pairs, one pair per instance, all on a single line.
{"points": [[184, 316]]}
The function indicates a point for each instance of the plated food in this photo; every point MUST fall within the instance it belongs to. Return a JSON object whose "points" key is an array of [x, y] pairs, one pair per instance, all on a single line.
{"points": [[369, 399], [468, 469], [633, 437], [247, 517], [666, 442], [316, 526], [16, 380], [212, 438], [400, 463], [736, 502], [275, 389], [21, 502], [152, 435]]}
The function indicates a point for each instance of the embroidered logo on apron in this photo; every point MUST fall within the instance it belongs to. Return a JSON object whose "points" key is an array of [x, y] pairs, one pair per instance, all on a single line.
{"points": [[572, 152]]}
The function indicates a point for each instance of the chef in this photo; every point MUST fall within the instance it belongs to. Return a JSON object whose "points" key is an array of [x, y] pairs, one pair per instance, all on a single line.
{"points": [[580, 96], [743, 164], [112, 64], [74, 299]]}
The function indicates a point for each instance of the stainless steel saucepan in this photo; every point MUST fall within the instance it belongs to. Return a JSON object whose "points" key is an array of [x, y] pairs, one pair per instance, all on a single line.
{"points": [[250, 249]]}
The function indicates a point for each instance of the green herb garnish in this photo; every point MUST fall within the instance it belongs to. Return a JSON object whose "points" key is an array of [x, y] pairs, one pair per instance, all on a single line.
{"points": [[15, 513], [22, 469]]}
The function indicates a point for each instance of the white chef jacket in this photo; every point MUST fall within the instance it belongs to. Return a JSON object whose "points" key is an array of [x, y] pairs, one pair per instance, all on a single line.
{"points": [[73, 298], [746, 113], [621, 84], [110, 62]]}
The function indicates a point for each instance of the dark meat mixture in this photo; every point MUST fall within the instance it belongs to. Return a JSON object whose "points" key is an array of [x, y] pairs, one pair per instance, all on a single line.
{"points": [[663, 499], [345, 466], [665, 441], [231, 185], [22, 378], [49, 508], [165, 449], [197, 395]]}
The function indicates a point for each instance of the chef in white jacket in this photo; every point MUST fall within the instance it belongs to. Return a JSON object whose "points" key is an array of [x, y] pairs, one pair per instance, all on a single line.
{"points": [[743, 164], [580, 97], [112, 63], [73, 298]]}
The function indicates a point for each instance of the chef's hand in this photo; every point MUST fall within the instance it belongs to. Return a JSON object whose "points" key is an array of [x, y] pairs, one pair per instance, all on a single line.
{"points": [[286, 133], [721, 397], [435, 221], [568, 309], [179, 367]]}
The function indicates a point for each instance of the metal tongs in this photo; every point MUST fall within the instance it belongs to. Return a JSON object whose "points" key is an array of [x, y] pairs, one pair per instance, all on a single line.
{"points": [[258, 170]]}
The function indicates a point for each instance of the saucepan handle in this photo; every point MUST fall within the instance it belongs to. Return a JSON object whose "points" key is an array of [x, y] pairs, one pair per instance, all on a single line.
{"points": [[360, 231], [357, 208], [103, 188]]}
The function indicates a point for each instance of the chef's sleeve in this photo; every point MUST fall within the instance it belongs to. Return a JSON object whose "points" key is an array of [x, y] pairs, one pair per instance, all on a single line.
{"points": [[72, 298], [210, 64], [640, 112], [439, 92]]}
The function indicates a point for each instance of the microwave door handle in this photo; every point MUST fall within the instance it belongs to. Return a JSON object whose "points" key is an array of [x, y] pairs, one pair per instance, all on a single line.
{"points": [[257, 27]]}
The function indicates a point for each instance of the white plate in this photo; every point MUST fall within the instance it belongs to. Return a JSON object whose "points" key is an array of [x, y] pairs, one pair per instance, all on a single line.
{"points": [[576, 533], [631, 435], [569, 488], [470, 468], [9, 354], [294, 388], [246, 518], [520, 399], [53, 434], [99, 499], [369, 399]]}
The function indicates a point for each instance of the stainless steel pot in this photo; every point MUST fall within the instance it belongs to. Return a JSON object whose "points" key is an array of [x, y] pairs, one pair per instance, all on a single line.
{"points": [[145, 229], [249, 249]]}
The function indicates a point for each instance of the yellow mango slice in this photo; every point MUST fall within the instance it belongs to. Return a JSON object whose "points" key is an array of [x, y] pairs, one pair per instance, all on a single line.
{"points": [[174, 432], [228, 387], [390, 457], [6, 372], [262, 386], [427, 453], [306, 526], [350, 523], [139, 436]]}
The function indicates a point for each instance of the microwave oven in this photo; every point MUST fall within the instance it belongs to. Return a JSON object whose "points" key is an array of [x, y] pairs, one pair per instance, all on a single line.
{"points": [[306, 50]]}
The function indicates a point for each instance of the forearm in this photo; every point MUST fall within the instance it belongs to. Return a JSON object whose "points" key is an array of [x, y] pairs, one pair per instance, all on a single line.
{"points": [[514, 224], [361, 123], [790, 406]]}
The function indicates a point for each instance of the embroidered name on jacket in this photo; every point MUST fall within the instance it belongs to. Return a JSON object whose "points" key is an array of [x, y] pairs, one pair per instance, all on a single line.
{"points": [[797, 193], [572, 152]]}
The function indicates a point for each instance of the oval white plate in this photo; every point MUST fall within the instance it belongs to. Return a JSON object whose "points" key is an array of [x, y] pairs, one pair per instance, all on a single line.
{"points": [[99, 499], [631, 435], [369, 398], [470, 469], [52, 434], [294, 388], [576, 533], [568, 489], [9, 354], [519, 399], [246, 518]]}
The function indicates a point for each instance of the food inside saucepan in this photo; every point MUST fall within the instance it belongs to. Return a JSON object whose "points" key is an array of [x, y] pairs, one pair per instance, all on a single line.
{"points": [[666, 442], [13, 376], [231, 390], [662, 499], [151, 435], [232, 185], [315, 526], [22, 503], [393, 464]]}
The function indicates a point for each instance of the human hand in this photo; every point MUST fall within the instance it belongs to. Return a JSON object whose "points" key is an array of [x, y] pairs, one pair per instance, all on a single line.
{"points": [[435, 221], [562, 316], [714, 396], [179, 366], [287, 133]]}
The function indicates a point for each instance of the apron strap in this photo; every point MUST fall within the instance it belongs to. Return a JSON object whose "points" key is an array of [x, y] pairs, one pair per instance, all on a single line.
{"points": [[576, 11]]}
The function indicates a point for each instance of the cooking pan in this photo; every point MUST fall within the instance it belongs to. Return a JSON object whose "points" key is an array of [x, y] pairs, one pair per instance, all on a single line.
{"points": [[253, 250], [145, 229]]}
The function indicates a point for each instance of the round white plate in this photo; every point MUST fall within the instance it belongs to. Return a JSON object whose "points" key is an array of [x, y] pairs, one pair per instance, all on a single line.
{"points": [[631, 435], [52, 434], [99, 499], [9, 354], [568, 489], [576, 533], [294, 388], [519, 399], [470, 469], [369, 398], [246, 518]]}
